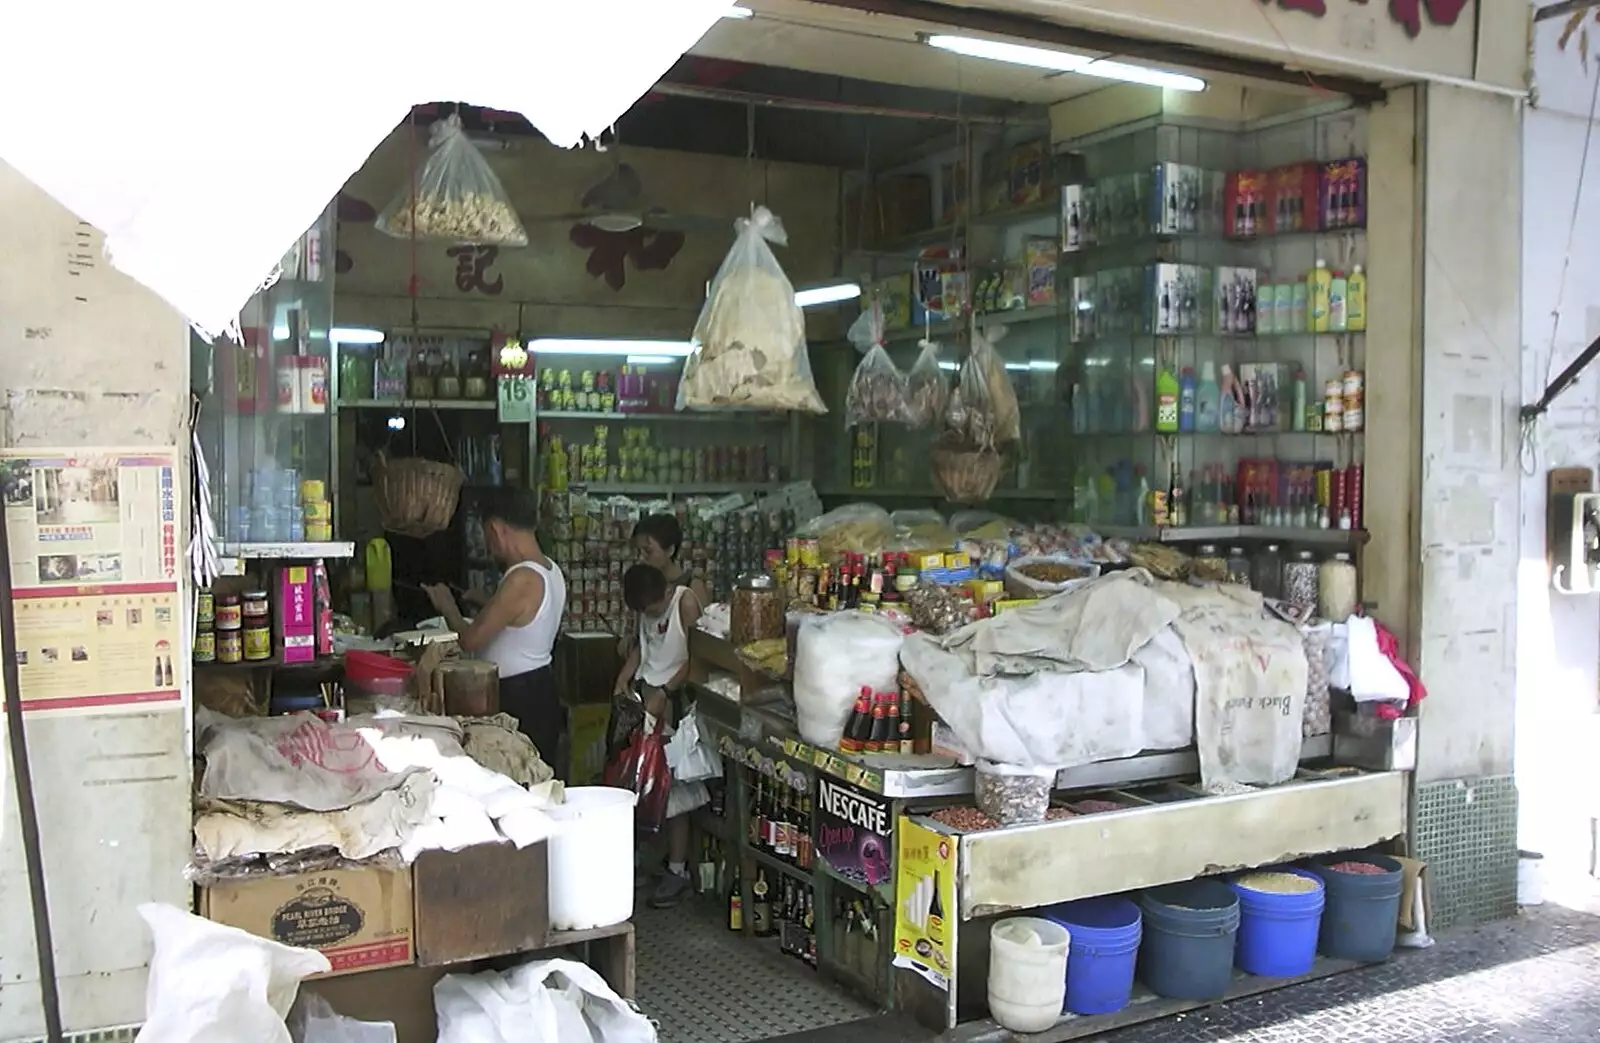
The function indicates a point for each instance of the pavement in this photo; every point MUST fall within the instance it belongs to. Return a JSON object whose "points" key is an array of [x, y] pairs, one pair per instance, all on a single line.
{"points": [[1531, 979]]}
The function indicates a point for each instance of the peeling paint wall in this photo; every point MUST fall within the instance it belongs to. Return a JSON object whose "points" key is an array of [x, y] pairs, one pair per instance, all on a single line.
{"points": [[88, 358], [1471, 376]]}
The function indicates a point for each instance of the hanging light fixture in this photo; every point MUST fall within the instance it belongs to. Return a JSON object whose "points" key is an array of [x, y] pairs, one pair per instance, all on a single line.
{"points": [[1062, 61]]}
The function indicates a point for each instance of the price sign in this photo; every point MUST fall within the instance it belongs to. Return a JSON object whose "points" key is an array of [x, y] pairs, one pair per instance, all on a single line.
{"points": [[516, 400]]}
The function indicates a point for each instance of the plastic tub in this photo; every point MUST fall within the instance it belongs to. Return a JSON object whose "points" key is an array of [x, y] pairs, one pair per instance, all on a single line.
{"points": [[363, 667], [591, 858], [1530, 878], [1278, 932], [1360, 918], [1027, 978], [1105, 945], [1189, 931]]}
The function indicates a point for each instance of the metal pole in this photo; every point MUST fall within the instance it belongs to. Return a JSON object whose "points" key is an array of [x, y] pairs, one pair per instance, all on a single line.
{"points": [[837, 108], [22, 775]]}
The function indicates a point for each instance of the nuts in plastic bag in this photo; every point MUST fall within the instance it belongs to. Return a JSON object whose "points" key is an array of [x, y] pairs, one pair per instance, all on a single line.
{"points": [[750, 340], [927, 390], [877, 391], [455, 197]]}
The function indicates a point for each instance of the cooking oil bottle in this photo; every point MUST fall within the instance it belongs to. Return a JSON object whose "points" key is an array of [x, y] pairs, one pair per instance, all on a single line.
{"points": [[1319, 291], [1355, 305]]}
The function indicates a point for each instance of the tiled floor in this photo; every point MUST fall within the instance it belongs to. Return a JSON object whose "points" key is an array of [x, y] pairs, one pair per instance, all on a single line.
{"points": [[705, 985]]}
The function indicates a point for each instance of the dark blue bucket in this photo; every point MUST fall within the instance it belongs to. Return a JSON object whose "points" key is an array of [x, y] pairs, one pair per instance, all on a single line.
{"points": [[1278, 932], [1360, 919], [1102, 953], [1189, 931]]}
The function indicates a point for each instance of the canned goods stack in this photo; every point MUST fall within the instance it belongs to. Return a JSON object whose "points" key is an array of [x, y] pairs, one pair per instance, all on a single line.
{"points": [[282, 508], [317, 511], [230, 625], [1344, 402], [256, 626], [205, 627]]}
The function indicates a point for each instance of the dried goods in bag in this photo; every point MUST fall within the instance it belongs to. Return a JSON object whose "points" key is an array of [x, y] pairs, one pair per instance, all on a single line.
{"points": [[927, 390], [750, 339], [1005, 414], [877, 391], [455, 197]]}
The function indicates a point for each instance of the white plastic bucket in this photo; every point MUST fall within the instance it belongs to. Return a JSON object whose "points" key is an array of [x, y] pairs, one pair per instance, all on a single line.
{"points": [[591, 858], [1027, 973], [1530, 878]]}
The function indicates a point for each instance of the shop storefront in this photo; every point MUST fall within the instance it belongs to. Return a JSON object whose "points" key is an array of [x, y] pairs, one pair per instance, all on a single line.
{"points": [[1207, 286]]}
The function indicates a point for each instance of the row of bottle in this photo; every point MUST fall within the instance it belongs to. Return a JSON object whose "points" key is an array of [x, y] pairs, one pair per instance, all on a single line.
{"points": [[780, 820], [1262, 492], [1324, 301], [787, 912], [1262, 398]]}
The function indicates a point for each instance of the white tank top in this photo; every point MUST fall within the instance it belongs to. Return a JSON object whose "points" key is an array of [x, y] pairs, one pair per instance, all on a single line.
{"points": [[516, 650], [663, 645]]}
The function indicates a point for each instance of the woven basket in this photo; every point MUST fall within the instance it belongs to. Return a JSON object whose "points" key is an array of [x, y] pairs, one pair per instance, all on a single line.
{"points": [[416, 497], [966, 475]]}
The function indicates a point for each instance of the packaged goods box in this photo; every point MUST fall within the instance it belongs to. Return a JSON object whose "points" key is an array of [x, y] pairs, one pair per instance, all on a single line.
{"points": [[360, 919]]}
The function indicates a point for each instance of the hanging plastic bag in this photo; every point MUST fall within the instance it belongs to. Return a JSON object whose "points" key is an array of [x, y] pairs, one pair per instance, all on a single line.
{"points": [[877, 392], [689, 755], [641, 767], [1005, 414], [750, 339], [455, 197], [969, 412], [927, 390]]}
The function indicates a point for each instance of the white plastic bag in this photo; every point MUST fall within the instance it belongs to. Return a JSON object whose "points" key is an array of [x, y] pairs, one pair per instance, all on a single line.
{"points": [[927, 388], [684, 797], [455, 198], [548, 1001], [215, 984], [315, 1021], [877, 391], [750, 340], [835, 657], [689, 755]]}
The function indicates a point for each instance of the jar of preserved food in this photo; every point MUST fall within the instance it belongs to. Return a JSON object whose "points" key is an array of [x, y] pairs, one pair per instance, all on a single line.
{"points": [[756, 609], [1238, 567], [255, 606], [229, 615], [205, 610], [257, 643], [205, 646], [1336, 588], [1208, 565], [1266, 571], [1300, 581], [230, 646]]}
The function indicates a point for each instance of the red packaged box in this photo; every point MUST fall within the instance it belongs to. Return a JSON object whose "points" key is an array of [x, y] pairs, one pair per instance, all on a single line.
{"points": [[1295, 195], [1343, 194], [1245, 204]]}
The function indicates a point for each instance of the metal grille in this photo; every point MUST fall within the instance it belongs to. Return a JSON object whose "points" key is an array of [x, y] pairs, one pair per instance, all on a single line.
{"points": [[124, 1034], [1466, 831]]}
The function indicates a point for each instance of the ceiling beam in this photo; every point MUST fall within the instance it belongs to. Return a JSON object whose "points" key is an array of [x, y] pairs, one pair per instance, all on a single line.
{"points": [[1037, 30]]}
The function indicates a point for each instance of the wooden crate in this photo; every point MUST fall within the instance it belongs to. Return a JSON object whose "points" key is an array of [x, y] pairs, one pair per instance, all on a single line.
{"points": [[483, 901]]}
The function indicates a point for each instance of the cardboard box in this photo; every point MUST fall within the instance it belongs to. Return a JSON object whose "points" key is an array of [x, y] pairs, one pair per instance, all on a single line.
{"points": [[1245, 204], [482, 901], [360, 919]]}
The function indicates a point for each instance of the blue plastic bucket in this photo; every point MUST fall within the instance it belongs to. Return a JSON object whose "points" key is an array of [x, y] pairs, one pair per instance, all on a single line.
{"points": [[1359, 921], [1189, 932], [1278, 932], [1105, 947]]}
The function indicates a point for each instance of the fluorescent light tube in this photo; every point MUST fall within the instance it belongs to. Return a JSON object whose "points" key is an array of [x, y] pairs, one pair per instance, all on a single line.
{"points": [[817, 296], [738, 13], [651, 360], [355, 335], [1061, 61], [566, 346]]}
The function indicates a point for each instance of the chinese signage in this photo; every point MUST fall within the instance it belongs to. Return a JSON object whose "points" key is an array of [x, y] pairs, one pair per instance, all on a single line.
{"points": [[94, 561], [853, 831], [1408, 14], [925, 901]]}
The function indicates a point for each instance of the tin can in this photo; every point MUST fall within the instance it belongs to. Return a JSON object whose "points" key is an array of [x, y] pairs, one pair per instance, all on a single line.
{"points": [[205, 646], [319, 532], [205, 610], [257, 643], [318, 511], [1352, 418], [229, 615], [1354, 384], [230, 646], [312, 490]]}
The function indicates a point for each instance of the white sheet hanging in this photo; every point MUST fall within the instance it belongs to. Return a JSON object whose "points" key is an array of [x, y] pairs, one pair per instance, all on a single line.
{"points": [[204, 138]]}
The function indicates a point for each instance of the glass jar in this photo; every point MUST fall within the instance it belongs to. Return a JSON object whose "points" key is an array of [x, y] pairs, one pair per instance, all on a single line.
{"points": [[1300, 581], [1238, 567], [1266, 571], [1208, 565], [1336, 588]]}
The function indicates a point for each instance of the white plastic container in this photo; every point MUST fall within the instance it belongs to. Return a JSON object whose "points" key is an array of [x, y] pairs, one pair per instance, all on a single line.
{"points": [[1530, 878], [591, 858], [1027, 973]]}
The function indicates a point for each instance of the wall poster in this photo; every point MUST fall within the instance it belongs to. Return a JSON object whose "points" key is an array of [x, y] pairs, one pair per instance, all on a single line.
{"points": [[96, 570]]}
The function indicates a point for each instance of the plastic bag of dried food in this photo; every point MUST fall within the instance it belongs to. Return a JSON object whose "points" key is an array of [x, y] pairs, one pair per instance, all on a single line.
{"points": [[455, 197], [750, 340], [969, 413], [877, 392], [860, 528], [927, 390], [1005, 414]]}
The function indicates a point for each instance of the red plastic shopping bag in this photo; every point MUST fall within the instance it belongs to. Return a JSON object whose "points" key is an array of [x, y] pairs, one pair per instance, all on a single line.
{"points": [[641, 766]]}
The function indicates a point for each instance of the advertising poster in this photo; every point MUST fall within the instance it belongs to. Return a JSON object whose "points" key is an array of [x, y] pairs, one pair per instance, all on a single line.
{"points": [[925, 903], [95, 562], [853, 831]]}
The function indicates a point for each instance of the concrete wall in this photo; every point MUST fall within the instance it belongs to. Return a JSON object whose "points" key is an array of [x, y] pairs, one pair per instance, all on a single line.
{"points": [[1558, 637], [88, 358], [1471, 375]]}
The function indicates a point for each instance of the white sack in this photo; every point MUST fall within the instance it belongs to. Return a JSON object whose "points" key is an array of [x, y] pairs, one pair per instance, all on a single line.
{"points": [[299, 759], [214, 984], [548, 1001], [183, 209], [835, 657], [389, 820], [1168, 692], [1250, 685], [1373, 679], [1051, 719]]}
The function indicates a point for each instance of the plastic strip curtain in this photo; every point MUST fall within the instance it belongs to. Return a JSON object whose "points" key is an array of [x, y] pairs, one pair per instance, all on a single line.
{"points": [[203, 138]]}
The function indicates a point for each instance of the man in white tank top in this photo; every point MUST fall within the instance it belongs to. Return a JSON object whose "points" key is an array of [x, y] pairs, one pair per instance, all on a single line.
{"points": [[657, 667], [517, 629]]}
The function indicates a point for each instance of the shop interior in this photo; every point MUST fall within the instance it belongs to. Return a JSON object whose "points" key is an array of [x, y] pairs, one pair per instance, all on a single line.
{"points": [[1173, 281]]}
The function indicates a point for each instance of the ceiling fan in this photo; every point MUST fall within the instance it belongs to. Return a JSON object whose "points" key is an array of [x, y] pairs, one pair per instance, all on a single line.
{"points": [[618, 203]]}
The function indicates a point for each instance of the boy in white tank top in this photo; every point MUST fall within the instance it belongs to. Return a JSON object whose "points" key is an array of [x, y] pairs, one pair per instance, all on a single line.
{"points": [[657, 667]]}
